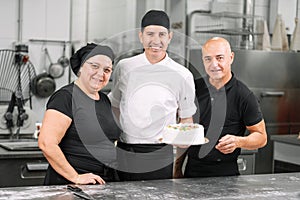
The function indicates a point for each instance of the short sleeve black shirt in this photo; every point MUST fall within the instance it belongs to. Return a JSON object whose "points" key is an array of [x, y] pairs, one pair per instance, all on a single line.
{"points": [[84, 144], [241, 108]]}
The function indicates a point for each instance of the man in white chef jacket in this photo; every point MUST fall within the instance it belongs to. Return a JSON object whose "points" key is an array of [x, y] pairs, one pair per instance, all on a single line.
{"points": [[150, 91]]}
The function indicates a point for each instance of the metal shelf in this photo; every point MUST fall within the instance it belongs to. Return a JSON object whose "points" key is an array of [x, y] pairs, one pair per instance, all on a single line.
{"points": [[229, 32], [239, 29]]}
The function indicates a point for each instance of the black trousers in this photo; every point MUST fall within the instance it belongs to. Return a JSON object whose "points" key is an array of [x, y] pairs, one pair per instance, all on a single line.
{"points": [[200, 168], [144, 161]]}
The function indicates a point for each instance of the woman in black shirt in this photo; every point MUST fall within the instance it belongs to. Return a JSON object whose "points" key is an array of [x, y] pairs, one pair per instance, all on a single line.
{"points": [[78, 130]]}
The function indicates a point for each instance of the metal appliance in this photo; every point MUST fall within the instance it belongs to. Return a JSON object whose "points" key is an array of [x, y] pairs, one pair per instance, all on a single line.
{"points": [[16, 72], [22, 168], [274, 78], [21, 163]]}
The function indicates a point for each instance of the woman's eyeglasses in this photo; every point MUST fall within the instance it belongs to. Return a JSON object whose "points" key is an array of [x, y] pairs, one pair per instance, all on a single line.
{"points": [[96, 67]]}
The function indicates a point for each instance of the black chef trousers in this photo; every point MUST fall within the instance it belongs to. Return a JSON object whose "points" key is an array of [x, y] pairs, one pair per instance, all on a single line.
{"points": [[144, 161], [201, 168]]}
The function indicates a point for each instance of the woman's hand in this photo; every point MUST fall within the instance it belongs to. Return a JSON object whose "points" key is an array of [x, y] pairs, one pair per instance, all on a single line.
{"points": [[89, 178]]}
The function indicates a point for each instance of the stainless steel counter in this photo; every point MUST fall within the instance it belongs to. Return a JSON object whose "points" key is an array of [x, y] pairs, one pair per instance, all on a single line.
{"points": [[5, 153], [260, 187], [286, 149], [21, 168], [288, 139]]}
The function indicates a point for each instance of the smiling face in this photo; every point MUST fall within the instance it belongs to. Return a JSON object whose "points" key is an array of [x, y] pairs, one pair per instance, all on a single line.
{"points": [[95, 73], [217, 59], [155, 40]]}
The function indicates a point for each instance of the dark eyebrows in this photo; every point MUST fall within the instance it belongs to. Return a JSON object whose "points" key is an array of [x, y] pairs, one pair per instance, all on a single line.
{"points": [[217, 56]]}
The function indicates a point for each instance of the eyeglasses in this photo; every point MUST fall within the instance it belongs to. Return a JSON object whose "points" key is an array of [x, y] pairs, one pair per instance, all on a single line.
{"points": [[95, 67]]}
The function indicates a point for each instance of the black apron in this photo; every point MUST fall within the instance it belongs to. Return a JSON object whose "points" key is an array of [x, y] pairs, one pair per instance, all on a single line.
{"points": [[199, 168], [144, 161]]}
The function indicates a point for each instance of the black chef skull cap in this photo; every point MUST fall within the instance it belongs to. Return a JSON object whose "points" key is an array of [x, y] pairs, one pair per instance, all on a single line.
{"points": [[88, 51], [156, 17]]}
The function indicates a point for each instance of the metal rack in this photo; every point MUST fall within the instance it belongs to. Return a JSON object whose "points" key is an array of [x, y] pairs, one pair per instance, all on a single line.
{"points": [[239, 29], [16, 72]]}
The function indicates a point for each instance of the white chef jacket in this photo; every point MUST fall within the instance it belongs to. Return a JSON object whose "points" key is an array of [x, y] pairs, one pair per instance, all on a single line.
{"points": [[150, 96]]}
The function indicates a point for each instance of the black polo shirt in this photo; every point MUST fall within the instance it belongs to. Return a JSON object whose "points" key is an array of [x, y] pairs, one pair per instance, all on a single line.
{"points": [[235, 101]]}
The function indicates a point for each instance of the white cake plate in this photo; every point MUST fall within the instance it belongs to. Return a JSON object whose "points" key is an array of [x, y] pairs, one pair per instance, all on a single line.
{"points": [[183, 143]]}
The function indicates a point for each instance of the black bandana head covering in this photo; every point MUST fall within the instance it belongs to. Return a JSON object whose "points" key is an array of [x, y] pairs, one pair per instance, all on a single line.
{"points": [[156, 17], [87, 52]]}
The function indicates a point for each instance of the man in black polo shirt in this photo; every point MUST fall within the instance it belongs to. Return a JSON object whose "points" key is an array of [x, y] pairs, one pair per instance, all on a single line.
{"points": [[227, 108]]}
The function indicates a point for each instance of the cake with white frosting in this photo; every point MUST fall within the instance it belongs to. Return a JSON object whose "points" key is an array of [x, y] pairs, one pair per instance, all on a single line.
{"points": [[184, 134]]}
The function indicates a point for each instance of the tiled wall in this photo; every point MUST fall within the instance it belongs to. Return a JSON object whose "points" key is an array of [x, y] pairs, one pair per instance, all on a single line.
{"points": [[8, 22], [51, 20], [41, 19]]}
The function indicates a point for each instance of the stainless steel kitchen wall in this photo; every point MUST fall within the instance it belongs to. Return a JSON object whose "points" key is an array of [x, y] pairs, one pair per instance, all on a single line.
{"points": [[274, 78]]}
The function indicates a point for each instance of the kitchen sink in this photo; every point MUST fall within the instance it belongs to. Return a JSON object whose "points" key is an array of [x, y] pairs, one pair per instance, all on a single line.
{"points": [[19, 144]]}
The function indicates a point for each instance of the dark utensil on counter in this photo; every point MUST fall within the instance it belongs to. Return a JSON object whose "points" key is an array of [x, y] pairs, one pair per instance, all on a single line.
{"points": [[79, 192]]}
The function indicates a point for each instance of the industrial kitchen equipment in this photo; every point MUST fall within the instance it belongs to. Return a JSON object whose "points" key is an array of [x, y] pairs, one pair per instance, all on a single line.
{"points": [[16, 72], [21, 162], [241, 30]]}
